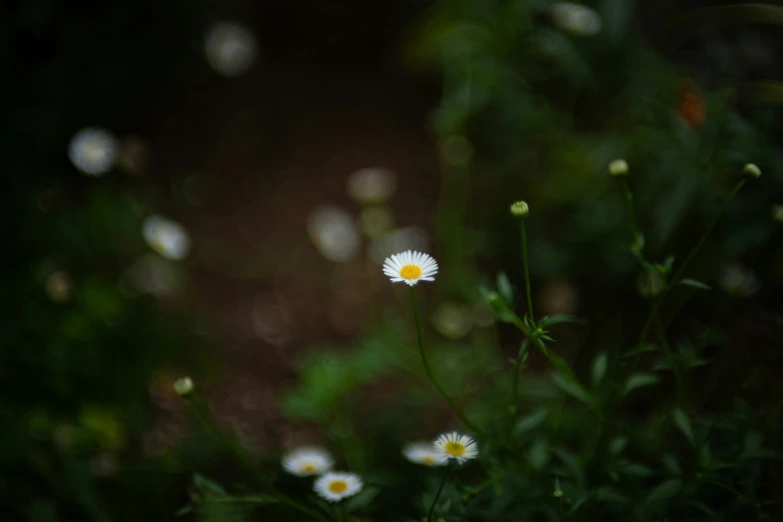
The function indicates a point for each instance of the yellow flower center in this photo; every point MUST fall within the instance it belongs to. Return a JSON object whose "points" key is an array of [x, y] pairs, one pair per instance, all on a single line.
{"points": [[308, 468], [410, 272], [427, 460], [455, 449], [338, 486]]}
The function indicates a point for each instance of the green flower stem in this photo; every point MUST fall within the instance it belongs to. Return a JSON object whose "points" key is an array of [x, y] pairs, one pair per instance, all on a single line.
{"points": [[527, 274], [437, 495], [670, 357], [680, 271], [428, 369], [491, 481], [515, 382], [202, 413]]}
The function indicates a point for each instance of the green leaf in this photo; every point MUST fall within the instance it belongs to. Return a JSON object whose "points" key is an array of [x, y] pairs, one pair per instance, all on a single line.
{"points": [[635, 470], [607, 495], [571, 388], [694, 283], [505, 289], [599, 368], [539, 454], [683, 423], [665, 491], [184, 510], [671, 464], [639, 380], [531, 421], [553, 319], [618, 445], [363, 499], [208, 488]]}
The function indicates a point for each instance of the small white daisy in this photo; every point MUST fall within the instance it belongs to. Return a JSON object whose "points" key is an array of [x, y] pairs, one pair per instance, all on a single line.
{"points": [[410, 267], [334, 233], [577, 19], [93, 150], [336, 485], [455, 446], [423, 453], [307, 461], [230, 48], [166, 237]]}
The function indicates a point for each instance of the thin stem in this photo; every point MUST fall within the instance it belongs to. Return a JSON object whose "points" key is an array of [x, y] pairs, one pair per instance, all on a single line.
{"points": [[427, 368], [527, 275], [517, 369], [629, 208], [656, 303], [437, 495], [670, 357], [487, 483], [203, 415]]}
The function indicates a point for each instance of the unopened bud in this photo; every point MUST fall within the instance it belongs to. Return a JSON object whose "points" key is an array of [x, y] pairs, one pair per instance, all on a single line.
{"points": [[520, 209], [777, 213], [557, 493], [184, 386], [752, 170], [618, 167]]}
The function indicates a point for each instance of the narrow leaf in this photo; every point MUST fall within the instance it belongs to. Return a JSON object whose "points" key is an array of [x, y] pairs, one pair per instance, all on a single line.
{"points": [[683, 423], [665, 491], [549, 320], [505, 289], [571, 388], [531, 421], [639, 380], [599, 368], [207, 487], [694, 283]]}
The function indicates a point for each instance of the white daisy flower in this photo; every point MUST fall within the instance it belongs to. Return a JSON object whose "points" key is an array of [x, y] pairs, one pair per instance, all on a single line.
{"points": [[455, 446], [423, 453], [334, 233], [93, 150], [230, 48], [307, 461], [336, 485], [739, 281], [410, 267], [371, 185], [166, 237], [579, 20]]}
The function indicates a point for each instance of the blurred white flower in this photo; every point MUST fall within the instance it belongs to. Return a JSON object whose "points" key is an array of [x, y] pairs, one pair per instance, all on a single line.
{"points": [[166, 237], [455, 446], [452, 320], [93, 150], [739, 281], [155, 275], [335, 486], [333, 233], [307, 461], [410, 267], [230, 48], [398, 240], [375, 221], [576, 19], [58, 286], [372, 185], [423, 453]]}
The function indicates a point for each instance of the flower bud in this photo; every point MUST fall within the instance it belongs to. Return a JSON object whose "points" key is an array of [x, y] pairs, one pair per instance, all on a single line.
{"points": [[520, 209], [751, 170], [184, 386], [618, 167]]}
